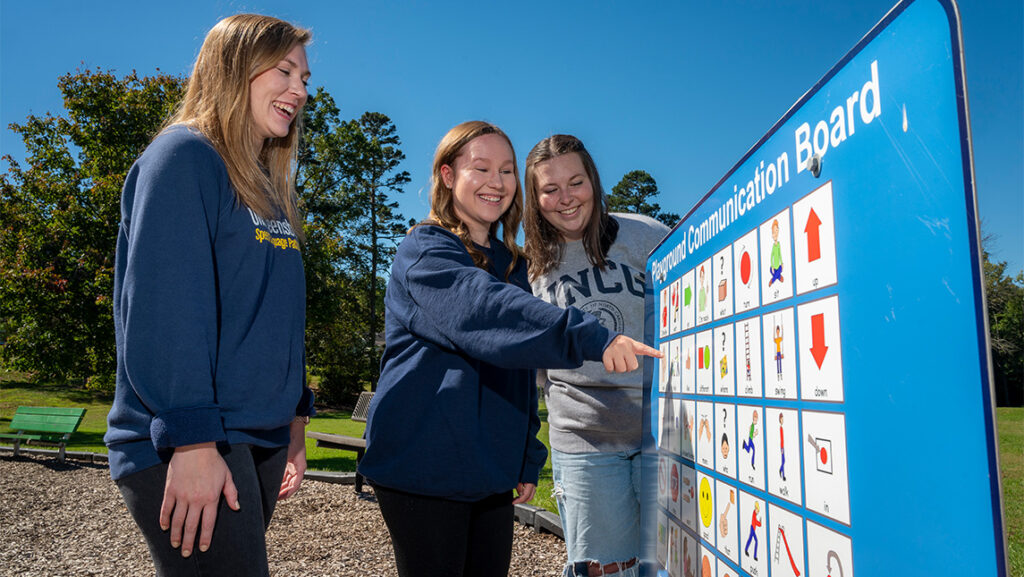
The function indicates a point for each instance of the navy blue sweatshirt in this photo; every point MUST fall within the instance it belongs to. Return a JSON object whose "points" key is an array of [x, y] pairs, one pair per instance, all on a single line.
{"points": [[209, 312], [455, 414]]}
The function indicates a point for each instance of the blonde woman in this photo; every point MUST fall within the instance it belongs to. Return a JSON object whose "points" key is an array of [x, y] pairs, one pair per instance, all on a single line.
{"points": [[594, 418], [452, 430], [206, 429]]}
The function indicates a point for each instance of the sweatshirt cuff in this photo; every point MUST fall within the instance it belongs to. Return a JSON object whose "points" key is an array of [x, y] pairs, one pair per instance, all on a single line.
{"points": [[611, 337], [305, 406], [180, 427], [536, 456], [594, 337], [531, 473]]}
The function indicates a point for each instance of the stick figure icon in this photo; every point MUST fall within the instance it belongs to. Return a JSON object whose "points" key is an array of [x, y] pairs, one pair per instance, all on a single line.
{"points": [[782, 449], [748, 444], [778, 350], [775, 267], [702, 292], [755, 522]]}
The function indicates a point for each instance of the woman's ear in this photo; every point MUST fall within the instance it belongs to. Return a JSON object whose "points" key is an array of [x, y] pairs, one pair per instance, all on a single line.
{"points": [[448, 175]]}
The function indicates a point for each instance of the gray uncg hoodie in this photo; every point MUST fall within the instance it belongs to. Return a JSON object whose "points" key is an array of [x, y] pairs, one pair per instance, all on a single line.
{"points": [[589, 409]]}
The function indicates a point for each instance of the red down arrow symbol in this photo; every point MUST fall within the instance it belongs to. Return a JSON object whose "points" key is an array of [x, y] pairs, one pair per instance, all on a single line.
{"points": [[818, 348]]}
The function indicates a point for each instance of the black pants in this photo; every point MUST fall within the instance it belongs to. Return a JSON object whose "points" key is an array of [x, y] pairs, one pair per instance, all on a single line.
{"points": [[435, 537], [239, 545]]}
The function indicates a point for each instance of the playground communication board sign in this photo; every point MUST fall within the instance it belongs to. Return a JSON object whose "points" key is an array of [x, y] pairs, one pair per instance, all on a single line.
{"points": [[824, 406]]}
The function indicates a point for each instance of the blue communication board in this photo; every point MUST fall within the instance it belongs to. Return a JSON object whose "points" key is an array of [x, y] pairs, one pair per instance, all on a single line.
{"points": [[824, 406]]}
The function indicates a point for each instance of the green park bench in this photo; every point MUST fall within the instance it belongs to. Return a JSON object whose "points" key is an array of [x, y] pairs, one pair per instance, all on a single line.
{"points": [[344, 442], [49, 425]]}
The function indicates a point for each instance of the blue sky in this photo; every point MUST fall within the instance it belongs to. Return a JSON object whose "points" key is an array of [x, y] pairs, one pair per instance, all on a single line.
{"points": [[679, 89]]}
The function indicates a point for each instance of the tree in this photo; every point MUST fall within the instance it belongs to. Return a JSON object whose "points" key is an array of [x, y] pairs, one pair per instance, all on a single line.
{"points": [[346, 170], [1005, 298], [371, 165], [333, 311], [633, 194], [59, 219]]}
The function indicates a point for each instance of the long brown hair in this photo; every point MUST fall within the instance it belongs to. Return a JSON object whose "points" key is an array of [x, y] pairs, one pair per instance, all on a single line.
{"points": [[442, 198], [237, 50], [544, 245]]}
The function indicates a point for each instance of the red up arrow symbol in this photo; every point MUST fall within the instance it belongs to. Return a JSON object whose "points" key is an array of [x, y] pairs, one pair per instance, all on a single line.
{"points": [[813, 240], [818, 348]]}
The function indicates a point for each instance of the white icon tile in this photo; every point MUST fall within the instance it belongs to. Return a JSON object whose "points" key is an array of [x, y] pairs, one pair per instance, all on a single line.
{"points": [[750, 445], [814, 240], [821, 356], [826, 483], [782, 451], [752, 534], [705, 300], [779, 346], [776, 259], [786, 536], [724, 360], [705, 375], [828, 553], [722, 287], [725, 439], [748, 358], [745, 272]]}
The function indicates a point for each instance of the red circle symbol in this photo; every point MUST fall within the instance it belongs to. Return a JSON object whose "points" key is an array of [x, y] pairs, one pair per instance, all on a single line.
{"points": [[745, 267], [824, 456]]}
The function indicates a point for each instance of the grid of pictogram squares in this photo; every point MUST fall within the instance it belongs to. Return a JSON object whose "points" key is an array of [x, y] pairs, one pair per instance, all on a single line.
{"points": [[751, 435]]}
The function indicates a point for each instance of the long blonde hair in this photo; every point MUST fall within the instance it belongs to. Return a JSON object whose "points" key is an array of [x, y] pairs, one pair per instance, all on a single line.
{"points": [[237, 50], [442, 198]]}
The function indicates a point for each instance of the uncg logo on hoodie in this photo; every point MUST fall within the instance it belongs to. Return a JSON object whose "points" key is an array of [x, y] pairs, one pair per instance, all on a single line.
{"points": [[590, 282]]}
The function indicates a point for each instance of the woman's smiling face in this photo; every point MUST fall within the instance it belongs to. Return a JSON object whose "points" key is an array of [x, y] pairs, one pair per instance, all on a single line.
{"points": [[565, 194], [483, 183], [276, 96]]}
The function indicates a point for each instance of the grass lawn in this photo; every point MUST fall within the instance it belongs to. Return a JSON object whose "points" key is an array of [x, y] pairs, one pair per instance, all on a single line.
{"points": [[333, 460], [1011, 464], [543, 497], [15, 391]]}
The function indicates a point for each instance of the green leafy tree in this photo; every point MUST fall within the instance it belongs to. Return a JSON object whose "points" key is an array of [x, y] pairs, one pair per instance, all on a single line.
{"points": [[634, 193], [59, 216], [1005, 298], [372, 158], [333, 309], [346, 171]]}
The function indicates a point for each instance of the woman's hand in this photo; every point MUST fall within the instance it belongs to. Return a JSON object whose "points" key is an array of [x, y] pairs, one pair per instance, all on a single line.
{"points": [[197, 476], [620, 355], [296, 467], [525, 493]]}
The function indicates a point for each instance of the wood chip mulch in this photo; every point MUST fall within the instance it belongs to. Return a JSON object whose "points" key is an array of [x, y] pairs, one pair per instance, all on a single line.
{"points": [[68, 520]]}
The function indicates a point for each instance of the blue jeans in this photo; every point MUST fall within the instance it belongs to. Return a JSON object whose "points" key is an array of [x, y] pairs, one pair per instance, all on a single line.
{"points": [[598, 498]]}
